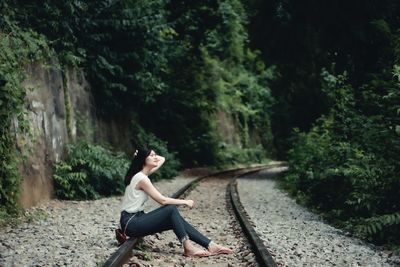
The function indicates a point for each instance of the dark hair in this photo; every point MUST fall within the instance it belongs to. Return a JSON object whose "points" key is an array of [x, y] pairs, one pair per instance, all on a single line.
{"points": [[137, 163]]}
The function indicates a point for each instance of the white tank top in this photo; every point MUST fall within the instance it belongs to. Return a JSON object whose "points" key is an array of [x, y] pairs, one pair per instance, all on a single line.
{"points": [[133, 200]]}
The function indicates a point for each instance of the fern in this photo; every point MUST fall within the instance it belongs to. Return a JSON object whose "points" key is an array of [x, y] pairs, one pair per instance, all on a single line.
{"points": [[89, 172], [377, 224]]}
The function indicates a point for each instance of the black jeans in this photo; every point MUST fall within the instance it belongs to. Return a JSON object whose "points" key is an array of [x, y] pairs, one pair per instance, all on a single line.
{"points": [[164, 218]]}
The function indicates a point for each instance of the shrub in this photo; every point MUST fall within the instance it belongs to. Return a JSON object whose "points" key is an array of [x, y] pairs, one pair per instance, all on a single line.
{"points": [[89, 172], [347, 165], [230, 155]]}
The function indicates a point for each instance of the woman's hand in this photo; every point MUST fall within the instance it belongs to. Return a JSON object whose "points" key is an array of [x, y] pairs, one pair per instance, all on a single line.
{"points": [[189, 203], [160, 162]]}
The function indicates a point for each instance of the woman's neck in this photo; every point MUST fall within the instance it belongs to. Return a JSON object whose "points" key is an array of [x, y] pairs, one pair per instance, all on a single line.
{"points": [[145, 171]]}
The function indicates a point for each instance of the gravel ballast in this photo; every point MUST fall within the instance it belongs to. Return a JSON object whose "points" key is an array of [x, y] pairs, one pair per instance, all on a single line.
{"points": [[298, 237], [212, 216], [74, 233]]}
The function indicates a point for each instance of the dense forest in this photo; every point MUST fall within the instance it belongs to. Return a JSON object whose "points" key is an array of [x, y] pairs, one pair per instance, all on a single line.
{"points": [[336, 116], [319, 81]]}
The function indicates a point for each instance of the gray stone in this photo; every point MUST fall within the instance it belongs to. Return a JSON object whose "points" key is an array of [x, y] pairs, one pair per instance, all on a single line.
{"points": [[71, 239], [297, 236]]}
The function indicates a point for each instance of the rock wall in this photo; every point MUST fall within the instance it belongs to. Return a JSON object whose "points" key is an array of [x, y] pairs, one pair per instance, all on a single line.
{"points": [[227, 128], [59, 110], [230, 131]]}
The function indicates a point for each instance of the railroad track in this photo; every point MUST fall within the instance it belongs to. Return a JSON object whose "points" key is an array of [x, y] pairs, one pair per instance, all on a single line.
{"points": [[263, 257]]}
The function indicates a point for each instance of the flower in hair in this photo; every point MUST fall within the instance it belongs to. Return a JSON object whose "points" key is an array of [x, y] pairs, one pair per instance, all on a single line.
{"points": [[135, 154]]}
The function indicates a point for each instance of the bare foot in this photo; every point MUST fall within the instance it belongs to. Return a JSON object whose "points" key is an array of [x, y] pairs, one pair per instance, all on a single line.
{"points": [[216, 249], [192, 251], [195, 252]]}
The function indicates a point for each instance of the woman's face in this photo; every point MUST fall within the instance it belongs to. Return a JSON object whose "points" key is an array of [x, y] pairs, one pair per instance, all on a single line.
{"points": [[152, 160]]}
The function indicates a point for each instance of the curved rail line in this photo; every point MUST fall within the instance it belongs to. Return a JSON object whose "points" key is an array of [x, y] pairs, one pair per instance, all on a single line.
{"points": [[263, 256], [124, 252]]}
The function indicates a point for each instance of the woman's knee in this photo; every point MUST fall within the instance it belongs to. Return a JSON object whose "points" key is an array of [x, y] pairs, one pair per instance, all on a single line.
{"points": [[171, 208]]}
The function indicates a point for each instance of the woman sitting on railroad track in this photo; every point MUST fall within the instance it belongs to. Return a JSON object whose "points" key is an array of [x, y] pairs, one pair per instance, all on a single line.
{"points": [[137, 223]]}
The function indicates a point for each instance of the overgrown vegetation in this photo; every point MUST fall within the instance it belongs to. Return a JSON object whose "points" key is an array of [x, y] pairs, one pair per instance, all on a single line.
{"points": [[221, 74], [89, 172], [302, 38], [179, 61], [18, 47], [348, 167], [338, 85], [94, 171]]}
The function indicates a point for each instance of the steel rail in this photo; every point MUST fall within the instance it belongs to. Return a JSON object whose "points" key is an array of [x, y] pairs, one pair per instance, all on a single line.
{"points": [[263, 256]]}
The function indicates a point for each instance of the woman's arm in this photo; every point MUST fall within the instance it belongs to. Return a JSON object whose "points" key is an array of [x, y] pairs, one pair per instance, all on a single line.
{"points": [[146, 185], [161, 161]]}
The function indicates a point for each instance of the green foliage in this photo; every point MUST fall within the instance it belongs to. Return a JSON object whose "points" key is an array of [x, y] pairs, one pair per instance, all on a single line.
{"points": [[237, 82], [133, 52], [341, 36], [347, 166], [18, 47], [123, 45], [129, 60], [215, 78], [347, 163], [233, 156], [89, 172], [243, 93], [383, 227]]}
